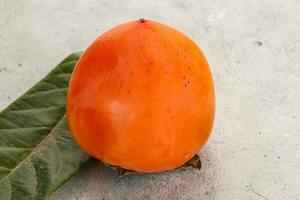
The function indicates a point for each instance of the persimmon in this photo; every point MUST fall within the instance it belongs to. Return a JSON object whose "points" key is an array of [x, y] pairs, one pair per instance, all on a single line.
{"points": [[141, 97]]}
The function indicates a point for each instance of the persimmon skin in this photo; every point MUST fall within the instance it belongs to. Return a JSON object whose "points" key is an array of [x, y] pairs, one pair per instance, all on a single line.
{"points": [[141, 97]]}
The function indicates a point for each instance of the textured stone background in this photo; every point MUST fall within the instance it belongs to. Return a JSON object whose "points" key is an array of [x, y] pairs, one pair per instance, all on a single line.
{"points": [[253, 48]]}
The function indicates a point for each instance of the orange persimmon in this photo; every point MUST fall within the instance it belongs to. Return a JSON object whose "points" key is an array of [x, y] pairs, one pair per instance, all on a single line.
{"points": [[141, 97]]}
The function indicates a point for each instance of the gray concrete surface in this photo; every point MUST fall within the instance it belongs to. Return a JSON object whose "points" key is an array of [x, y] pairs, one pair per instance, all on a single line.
{"points": [[253, 48]]}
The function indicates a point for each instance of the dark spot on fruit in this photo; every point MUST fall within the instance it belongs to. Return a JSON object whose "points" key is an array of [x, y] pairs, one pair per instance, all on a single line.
{"points": [[19, 65]]}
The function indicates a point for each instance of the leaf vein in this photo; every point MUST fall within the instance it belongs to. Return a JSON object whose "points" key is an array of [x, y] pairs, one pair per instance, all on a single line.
{"points": [[63, 74], [22, 128], [8, 121], [58, 155], [10, 190], [35, 178], [35, 149], [35, 109], [14, 148], [47, 91], [5, 168]]}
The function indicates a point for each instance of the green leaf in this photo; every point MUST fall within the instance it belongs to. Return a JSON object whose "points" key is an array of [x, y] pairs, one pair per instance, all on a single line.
{"points": [[37, 151]]}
